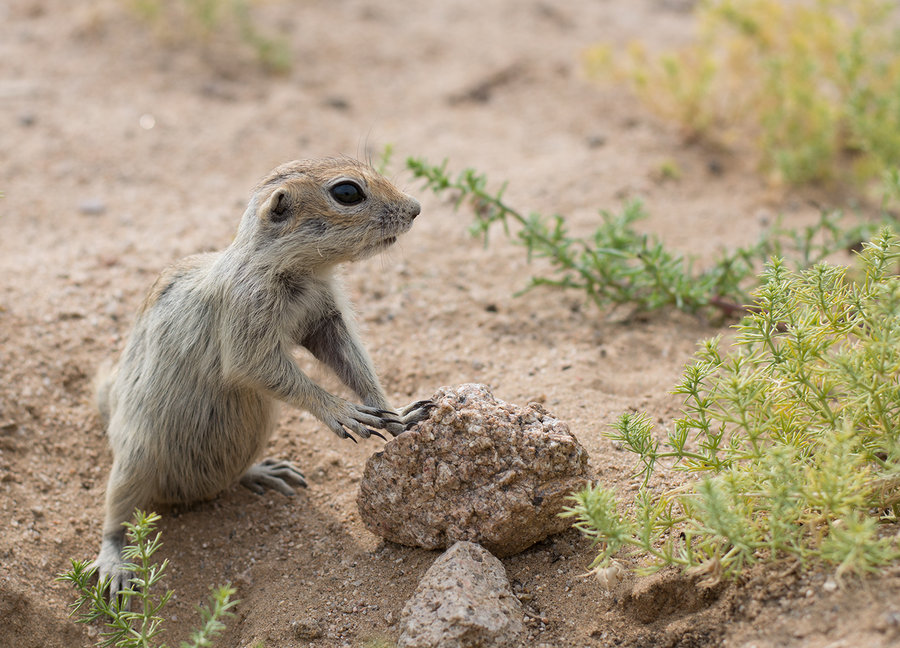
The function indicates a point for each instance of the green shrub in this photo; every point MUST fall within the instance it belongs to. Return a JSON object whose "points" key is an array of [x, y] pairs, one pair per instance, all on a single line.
{"points": [[138, 629], [793, 435], [815, 83]]}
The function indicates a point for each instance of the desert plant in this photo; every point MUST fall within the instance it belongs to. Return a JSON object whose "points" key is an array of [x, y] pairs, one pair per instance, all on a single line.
{"points": [[140, 628], [618, 265], [792, 435], [203, 21], [383, 162], [815, 83]]}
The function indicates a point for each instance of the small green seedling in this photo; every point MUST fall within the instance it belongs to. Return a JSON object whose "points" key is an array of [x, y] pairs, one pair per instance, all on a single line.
{"points": [[142, 627]]}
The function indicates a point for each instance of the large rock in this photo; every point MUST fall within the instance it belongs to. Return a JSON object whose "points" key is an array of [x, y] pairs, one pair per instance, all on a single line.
{"points": [[464, 600], [476, 469]]}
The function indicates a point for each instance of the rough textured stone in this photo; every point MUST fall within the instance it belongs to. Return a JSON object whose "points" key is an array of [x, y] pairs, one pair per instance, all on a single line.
{"points": [[477, 469], [464, 600]]}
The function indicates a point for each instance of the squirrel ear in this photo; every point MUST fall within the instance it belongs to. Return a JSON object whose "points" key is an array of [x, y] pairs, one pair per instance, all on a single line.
{"points": [[278, 206]]}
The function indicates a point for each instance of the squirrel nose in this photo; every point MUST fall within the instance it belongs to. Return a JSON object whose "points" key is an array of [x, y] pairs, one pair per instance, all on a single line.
{"points": [[414, 208]]}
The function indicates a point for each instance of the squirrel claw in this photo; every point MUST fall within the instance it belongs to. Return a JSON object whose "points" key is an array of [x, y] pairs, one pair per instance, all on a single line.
{"points": [[280, 476], [417, 412], [425, 405]]}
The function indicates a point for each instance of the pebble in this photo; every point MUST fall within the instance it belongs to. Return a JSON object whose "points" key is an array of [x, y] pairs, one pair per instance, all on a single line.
{"points": [[92, 207]]}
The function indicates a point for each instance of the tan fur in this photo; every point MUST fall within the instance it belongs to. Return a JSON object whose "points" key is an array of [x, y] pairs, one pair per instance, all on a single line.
{"points": [[165, 280], [193, 399]]}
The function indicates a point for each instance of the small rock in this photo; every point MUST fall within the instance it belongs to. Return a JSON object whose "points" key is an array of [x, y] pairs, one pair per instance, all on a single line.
{"points": [[596, 141], [338, 103], [890, 620], [215, 90], [92, 207], [609, 577], [477, 469], [307, 629], [464, 600]]}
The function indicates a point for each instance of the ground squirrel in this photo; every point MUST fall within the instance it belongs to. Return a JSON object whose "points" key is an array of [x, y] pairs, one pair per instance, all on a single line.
{"points": [[193, 399]]}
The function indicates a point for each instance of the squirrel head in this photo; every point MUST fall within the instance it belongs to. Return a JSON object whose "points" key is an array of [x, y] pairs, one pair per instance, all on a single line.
{"points": [[316, 213]]}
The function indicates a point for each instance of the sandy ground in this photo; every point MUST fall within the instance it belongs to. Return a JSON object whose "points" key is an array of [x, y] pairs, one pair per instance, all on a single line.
{"points": [[122, 150]]}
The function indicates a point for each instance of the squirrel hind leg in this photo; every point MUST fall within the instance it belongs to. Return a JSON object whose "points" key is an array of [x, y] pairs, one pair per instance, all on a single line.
{"points": [[110, 564], [281, 476], [123, 496]]}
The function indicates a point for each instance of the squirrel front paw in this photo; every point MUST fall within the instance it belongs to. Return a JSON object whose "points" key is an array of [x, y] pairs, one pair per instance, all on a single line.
{"points": [[409, 416], [361, 419], [347, 418]]}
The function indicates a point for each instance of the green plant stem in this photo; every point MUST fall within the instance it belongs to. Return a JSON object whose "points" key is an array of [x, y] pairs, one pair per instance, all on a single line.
{"points": [[618, 265]]}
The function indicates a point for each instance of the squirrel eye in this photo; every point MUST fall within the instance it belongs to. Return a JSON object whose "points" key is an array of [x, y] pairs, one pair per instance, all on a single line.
{"points": [[348, 193]]}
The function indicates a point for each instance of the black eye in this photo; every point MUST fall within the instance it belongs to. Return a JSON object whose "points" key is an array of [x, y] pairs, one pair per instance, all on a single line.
{"points": [[348, 193]]}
